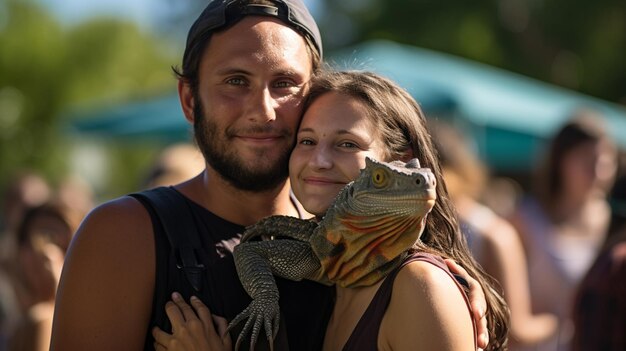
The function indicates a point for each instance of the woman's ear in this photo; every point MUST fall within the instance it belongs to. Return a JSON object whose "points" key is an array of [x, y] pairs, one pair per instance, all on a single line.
{"points": [[187, 101], [407, 155]]}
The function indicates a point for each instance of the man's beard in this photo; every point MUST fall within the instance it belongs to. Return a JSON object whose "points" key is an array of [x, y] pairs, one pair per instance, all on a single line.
{"points": [[226, 162]]}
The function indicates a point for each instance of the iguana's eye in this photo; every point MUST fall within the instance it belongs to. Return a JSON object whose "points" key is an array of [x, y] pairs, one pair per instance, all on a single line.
{"points": [[379, 178]]}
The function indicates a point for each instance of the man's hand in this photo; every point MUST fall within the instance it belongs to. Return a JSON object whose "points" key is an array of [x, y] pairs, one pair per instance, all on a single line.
{"points": [[192, 331], [478, 303]]}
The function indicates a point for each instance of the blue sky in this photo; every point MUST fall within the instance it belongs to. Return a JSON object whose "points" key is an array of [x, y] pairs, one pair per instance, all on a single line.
{"points": [[76, 10], [141, 11]]}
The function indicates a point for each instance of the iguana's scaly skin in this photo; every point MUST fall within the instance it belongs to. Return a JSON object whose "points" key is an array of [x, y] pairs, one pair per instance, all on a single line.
{"points": [[363, 235]]}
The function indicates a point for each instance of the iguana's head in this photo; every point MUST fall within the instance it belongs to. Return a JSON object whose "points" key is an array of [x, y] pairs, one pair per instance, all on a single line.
{"points": [[394, 188], [374, 220]]}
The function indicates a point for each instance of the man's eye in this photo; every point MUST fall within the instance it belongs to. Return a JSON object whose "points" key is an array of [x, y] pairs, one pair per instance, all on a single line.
{"points": [[236, 81]]}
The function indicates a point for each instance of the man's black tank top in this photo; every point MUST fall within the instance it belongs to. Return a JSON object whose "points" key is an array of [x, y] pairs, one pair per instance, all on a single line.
{"points": [[305, 306]]}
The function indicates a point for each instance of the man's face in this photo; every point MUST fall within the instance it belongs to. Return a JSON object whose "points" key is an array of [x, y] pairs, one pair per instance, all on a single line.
{"points": [[252, 80]]}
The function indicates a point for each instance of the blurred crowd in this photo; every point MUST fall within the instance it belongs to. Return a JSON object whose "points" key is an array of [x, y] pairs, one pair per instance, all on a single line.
{"points": [[37, 222], [557, 248]]}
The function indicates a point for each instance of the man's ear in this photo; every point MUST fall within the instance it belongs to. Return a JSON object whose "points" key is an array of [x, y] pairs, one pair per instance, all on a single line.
{"points": [[187, 101]]}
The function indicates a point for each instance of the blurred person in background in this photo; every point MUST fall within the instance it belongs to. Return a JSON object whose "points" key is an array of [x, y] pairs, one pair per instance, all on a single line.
{"points": [[9, 309], [493, 241], [563, 223], [24, 190], [175, 164], [43, 237], [600, 304], [75, 193]]}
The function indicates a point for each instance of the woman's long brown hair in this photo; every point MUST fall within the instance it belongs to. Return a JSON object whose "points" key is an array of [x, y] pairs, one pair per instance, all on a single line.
{"points": [[403, 129]]}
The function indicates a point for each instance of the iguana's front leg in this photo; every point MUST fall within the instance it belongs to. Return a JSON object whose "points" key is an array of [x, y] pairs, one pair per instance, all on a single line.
{"points": [[256, 263], [283, 226]]}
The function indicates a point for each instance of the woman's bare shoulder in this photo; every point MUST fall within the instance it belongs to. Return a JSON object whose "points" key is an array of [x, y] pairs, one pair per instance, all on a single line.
{"points": [[426, 280], [427, 310]]}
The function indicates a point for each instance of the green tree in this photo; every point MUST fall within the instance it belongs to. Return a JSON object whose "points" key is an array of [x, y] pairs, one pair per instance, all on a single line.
{"points": [[47, 69]]}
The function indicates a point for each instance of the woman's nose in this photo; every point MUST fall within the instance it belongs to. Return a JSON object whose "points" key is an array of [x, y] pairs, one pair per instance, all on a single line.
{"points": [[321, 158]]}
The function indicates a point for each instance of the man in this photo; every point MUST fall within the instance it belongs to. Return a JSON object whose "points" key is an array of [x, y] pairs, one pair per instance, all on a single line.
{"points": [[244, 76]]}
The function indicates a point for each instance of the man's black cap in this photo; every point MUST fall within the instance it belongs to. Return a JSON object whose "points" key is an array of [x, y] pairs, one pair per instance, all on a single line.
{"points": [[219, 14]]}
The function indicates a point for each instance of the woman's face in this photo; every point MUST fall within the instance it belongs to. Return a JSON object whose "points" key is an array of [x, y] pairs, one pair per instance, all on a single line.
{"points": [[588, 166], [42, 259], [334, 138]]}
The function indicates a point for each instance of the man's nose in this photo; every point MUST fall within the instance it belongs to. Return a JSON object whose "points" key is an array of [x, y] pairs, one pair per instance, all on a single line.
{"points": [[262, 107]]}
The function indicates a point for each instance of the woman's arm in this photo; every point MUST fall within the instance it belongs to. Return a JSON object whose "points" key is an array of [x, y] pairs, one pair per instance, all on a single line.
{"points": [[478, 302], [504, 259], [427, 312]]}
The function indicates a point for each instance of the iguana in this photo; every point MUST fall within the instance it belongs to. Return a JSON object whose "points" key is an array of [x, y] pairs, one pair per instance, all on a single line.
{"points": [[364, 234]]}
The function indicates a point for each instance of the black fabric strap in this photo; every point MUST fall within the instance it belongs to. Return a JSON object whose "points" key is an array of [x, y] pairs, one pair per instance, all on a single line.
{"points": [[179, 225]]}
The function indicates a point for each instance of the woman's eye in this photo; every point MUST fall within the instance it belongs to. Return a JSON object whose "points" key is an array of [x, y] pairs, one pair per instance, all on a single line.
{"points": [[305, 142], [348, 144]]}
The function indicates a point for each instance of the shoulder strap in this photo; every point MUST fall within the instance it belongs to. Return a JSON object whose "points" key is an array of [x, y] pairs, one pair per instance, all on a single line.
{"points": [[178, 223]]}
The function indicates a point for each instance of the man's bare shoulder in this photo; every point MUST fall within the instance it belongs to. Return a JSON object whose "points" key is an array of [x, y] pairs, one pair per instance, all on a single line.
{"points": [[125, 207], [105, 294], [118, 223]]}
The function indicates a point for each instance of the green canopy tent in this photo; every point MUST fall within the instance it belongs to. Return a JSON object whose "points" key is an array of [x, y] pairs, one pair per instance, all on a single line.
{"points": [[509, 115], [158, 119]]}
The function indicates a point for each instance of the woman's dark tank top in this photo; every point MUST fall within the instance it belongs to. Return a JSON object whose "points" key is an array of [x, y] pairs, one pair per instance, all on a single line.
{"points": [[305, 306], [364, 337]]}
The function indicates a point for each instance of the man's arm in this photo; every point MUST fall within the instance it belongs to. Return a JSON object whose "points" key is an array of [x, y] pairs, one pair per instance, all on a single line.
{"points": [[478, 302], [104, 299]]}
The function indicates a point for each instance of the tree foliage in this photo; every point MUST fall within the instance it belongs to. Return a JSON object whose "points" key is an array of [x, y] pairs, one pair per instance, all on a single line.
{"points": [[47, 69], [577, 44]]}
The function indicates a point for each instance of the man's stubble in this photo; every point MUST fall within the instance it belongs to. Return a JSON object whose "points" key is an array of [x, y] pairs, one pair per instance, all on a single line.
{"points": [[257, 177]]}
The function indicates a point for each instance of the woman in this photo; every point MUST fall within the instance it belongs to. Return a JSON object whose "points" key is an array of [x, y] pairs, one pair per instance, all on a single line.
{"points": [[493, 241], [563, 223], [43, 238], [351, 115], [600, 304]]}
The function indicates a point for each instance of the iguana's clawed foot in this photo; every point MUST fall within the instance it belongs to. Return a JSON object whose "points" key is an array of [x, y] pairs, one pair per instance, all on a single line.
{"points": [[258, 229], [261, 313]]}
